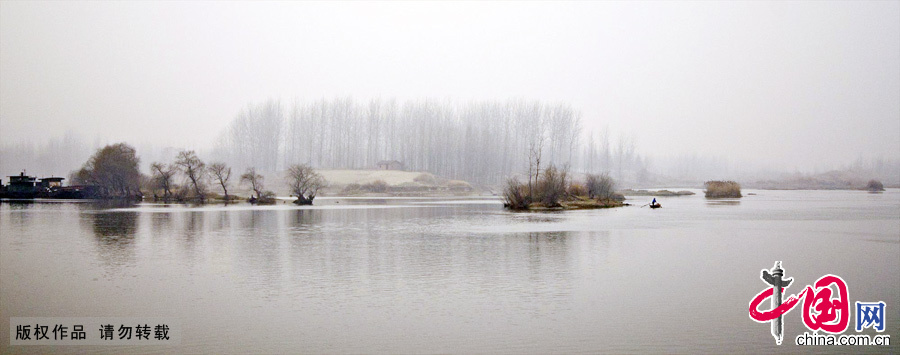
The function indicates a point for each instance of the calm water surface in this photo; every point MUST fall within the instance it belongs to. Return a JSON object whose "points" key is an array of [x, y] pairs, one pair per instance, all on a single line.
{"points": [[448, 275]]}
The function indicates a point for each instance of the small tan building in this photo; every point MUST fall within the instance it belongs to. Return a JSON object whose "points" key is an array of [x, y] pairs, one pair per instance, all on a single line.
{"points": [[389, 165]]}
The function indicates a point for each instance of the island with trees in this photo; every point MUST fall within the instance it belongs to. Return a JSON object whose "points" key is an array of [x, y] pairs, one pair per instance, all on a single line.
{"points": [[552, 189]]}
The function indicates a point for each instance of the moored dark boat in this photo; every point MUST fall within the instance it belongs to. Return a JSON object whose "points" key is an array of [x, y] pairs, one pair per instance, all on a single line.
{"points": [[30, 187], [655, 205]]}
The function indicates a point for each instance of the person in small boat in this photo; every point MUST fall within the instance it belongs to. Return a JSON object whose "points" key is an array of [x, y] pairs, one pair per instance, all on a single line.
{"points": [[654, 204]]}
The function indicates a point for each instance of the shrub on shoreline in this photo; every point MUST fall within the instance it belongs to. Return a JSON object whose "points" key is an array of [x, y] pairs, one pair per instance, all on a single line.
{"points": [[377, 186], [722, 189], [600, 186], [875, 185], [515, 195]]}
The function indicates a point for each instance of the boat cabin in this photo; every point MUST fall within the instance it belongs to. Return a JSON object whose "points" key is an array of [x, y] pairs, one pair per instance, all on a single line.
{"points": [[51, 182], [21, 184]]}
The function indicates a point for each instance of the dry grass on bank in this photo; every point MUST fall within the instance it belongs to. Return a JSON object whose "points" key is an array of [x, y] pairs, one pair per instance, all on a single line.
{"points": [[722, 189]]}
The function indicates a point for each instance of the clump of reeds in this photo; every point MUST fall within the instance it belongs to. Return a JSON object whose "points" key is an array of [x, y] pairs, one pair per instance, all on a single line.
{"points": [[718, 189]]}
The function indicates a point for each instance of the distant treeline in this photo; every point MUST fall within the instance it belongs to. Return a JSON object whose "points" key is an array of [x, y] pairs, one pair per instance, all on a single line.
{"points": [[57, 156], [481, 141]]}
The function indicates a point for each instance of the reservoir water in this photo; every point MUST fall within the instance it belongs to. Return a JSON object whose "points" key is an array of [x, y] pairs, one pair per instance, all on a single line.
{"points": [[460, 275]]}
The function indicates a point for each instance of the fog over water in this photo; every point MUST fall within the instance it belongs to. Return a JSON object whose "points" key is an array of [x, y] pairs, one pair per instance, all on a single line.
{"points": [[777, 86]]}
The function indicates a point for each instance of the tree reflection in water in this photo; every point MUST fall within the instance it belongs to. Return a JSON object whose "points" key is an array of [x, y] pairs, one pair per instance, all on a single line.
{"points": [[114, 233], [19, 218]]}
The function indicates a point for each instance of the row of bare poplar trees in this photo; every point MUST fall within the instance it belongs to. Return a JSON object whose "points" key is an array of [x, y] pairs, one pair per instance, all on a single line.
{"points": [[478, 141], [304, 182]]}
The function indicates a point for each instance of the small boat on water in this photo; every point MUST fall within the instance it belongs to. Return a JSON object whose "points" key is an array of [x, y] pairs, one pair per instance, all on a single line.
{"points": [[655, 205]]}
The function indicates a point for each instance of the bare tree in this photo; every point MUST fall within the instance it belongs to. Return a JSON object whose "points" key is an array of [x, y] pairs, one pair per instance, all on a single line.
{"points": [[194, 169], [221, 173], [162, 175], [256, 135], [606, 156], [591, 182], [255, 180], [535, 151], [305, 183]]}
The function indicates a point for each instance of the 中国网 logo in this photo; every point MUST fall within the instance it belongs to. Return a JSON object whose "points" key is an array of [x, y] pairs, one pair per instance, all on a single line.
{"points": [[826, 308]]}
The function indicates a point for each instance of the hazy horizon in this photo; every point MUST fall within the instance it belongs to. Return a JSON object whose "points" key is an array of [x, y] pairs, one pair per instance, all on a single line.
{"points": [[780, 86]]}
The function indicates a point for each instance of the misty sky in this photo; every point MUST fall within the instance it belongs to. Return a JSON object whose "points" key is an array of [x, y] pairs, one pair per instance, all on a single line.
{"points": [[794, 85]]}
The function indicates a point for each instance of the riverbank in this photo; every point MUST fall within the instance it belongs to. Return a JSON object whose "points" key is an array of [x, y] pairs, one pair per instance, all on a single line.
{"points": [[376, 183], [659, 193]]}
